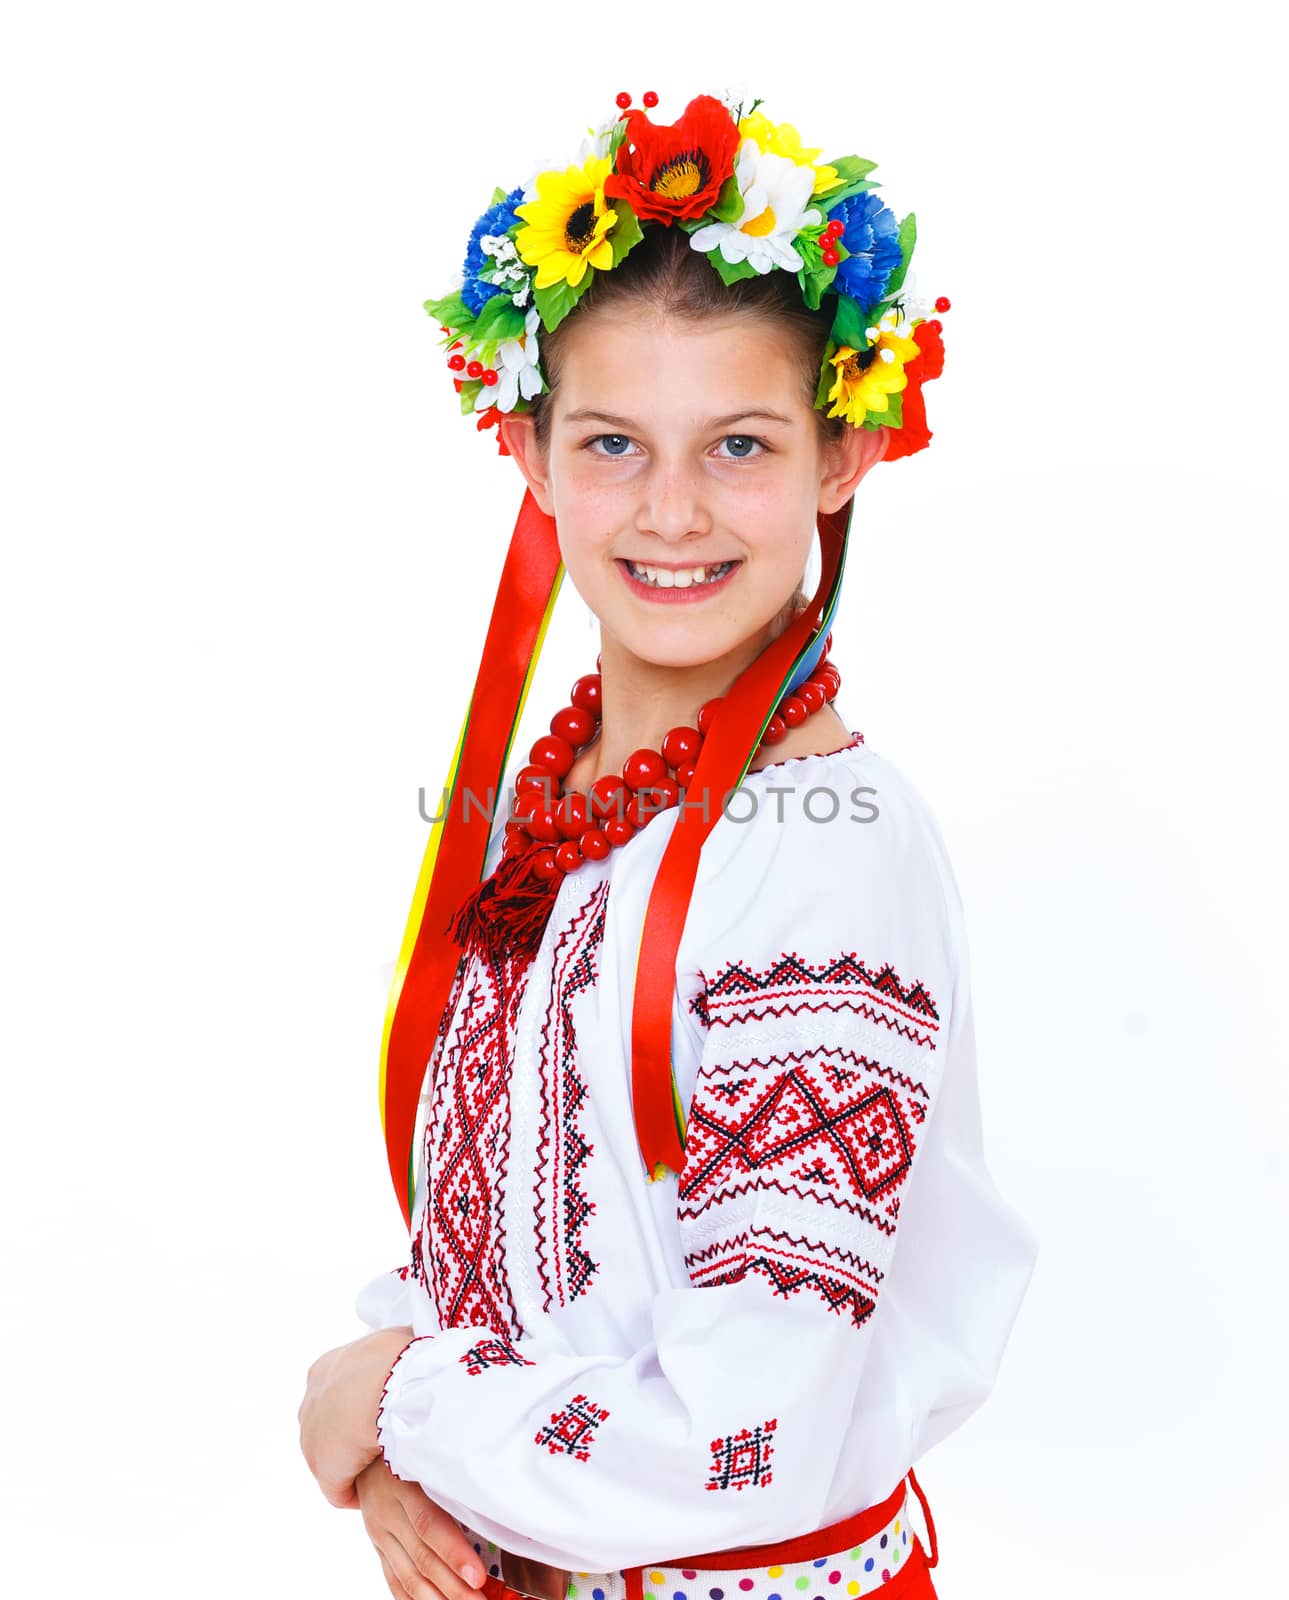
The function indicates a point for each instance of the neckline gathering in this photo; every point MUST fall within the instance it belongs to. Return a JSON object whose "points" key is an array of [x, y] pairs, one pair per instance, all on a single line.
{"points": [[856, 742]]}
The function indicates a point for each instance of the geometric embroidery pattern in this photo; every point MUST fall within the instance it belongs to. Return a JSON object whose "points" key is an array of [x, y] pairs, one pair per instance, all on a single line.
{"points": [[845, 1282], [742, 1460], [467, 1143], [497, 1352], [570, 1431], [790, 986], [798, 1147], [561, 1207]]}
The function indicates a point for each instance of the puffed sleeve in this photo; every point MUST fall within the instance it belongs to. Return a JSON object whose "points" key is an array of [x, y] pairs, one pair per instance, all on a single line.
{"points": [[819, 975]]}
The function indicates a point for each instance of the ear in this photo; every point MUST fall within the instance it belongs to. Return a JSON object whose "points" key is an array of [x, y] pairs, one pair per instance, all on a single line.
{"points": [[520, 434], [847, 461]]}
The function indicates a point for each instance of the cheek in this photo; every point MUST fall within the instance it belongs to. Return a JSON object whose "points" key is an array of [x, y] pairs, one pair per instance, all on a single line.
{"points": [[589, 512]]}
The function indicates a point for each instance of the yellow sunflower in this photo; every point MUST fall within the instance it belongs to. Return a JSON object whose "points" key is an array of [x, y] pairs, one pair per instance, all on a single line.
{"points": [[567, 224], [866, 377], [782, 139]]}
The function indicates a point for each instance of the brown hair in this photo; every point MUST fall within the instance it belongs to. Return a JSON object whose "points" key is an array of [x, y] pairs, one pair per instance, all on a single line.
{"points": [[668, 278]]}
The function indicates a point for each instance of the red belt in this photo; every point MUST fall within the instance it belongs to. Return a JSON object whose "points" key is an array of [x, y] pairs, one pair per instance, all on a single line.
{"points": [[526, 1579]]}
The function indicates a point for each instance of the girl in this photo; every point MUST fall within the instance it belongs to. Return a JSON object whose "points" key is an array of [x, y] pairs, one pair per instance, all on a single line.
{"points": [[704, 1250]]}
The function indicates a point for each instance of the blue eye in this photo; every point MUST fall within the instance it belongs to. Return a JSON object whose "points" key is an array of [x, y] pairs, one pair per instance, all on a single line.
{"points": [[742, 438], [620, 437]]}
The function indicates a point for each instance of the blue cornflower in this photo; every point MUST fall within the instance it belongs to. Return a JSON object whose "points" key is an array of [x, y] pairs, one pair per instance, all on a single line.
{"points": [[498, 219], [872, 237]]}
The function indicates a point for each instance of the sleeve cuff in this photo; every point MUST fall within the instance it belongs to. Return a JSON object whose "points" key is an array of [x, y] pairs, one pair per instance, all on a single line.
{"points": [[391, 1419]]}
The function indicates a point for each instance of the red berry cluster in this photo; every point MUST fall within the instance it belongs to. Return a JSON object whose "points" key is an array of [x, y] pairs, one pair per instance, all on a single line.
{"points": [[585, 827], [472, 369], [624, 100], [827, 241]]}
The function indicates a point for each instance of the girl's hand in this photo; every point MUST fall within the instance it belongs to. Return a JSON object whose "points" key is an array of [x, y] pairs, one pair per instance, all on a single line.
{"points": [[421, 1547], [338, 1413]]}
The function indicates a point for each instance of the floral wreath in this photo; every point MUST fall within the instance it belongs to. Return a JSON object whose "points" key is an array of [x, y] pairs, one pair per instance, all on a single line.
{"points": [[753, 200]]}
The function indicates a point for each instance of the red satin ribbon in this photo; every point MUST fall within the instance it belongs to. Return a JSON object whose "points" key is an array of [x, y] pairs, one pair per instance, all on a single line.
{"points": [[529, 582], [733, 736]]}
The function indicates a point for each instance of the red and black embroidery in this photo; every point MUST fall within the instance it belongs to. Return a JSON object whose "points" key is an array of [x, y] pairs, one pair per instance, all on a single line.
{"points": [[805, 1119], [570, 1431], [741, 994], [847, 1283], [413, 1270], [742, 1460], [498, 1352], [561, 1205], [467, 1141]]}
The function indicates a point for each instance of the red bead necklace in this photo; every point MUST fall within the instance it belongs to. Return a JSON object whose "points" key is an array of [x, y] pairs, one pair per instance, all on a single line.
{"points": [[549, 833]]}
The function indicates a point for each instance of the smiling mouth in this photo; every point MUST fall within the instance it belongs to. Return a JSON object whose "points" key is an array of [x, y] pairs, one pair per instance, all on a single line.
{"points": [[683, 578]]}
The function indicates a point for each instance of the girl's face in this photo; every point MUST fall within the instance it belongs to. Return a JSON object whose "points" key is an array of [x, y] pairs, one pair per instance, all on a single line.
{"points": [[691, 449]]}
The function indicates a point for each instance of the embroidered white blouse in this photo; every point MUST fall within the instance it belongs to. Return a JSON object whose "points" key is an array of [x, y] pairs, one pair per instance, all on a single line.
{"points": [[607, 1371]]}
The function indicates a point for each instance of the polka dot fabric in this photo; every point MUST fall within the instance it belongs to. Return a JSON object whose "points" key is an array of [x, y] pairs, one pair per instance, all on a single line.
{"points": [[891, 1559]]}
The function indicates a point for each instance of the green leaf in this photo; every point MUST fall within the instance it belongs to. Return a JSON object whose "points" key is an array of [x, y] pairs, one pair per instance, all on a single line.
{"points": [[498, 195], [729, 205], [908, 237], [625, 232], [827, 373], [452, 310], [834, 197], [731, 272], [892, 417], [850, 168], [469, 390], [854, 180], [556, 301], [811, 294], [500, 319], [816, 277], [850, 322], [616, 136], [815, 283]]}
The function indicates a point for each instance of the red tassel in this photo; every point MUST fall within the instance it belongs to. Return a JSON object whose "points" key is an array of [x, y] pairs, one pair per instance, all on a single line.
{"points": [[507, 914]]}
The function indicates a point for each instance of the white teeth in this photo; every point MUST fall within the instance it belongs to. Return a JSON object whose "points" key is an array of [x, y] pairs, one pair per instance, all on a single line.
{"points": [[685, 578]]}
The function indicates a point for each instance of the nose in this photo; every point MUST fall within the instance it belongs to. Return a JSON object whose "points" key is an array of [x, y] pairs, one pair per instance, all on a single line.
{"points": [[672, 505]]}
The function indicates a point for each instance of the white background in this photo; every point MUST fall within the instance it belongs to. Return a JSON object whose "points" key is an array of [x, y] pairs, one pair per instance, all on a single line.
{"points": [[249, 550]]}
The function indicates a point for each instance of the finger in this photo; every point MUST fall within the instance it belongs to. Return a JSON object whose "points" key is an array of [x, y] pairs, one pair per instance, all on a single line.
{"points": [[404, 1568], [440, 1549], [391, 1582]]}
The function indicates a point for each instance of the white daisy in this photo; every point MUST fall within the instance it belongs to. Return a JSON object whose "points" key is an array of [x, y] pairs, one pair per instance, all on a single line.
{"points": [[517, 370], [775, 194]]}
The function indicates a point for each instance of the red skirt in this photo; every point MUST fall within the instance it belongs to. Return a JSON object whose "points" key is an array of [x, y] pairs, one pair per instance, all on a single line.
{"points": [[877, 1549]]}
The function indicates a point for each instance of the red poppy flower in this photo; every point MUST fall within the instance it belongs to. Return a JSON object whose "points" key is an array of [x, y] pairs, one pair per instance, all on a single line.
{"points": [[673, 172], [913, 434]]}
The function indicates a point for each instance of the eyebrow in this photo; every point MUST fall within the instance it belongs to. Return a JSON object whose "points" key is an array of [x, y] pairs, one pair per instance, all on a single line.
{"points": [[763, 412]]}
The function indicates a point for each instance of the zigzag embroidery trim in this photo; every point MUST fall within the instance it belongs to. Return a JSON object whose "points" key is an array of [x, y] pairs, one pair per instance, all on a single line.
{"points": [[741, 994]]}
